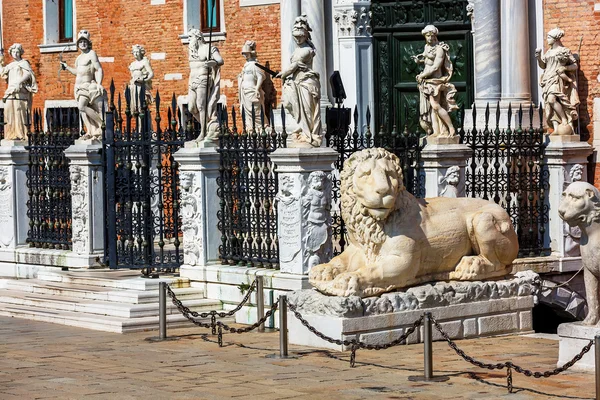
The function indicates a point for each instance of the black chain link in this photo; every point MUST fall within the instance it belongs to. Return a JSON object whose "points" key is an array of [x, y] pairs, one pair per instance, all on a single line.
{"points": [[508, 364], [355, 344]]}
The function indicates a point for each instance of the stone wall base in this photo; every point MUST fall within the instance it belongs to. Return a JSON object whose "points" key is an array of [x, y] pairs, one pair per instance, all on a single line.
{"points": [[573, 336], [25, 262], [460, 321]]}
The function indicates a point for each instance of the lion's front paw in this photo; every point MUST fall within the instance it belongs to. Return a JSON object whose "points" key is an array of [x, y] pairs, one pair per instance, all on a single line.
{"points": [[324, 272], [346, 284]]}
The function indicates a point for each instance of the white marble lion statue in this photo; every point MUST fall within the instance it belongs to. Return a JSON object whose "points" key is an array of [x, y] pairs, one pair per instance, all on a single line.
{"points": [[580, 206], [396, 240]]}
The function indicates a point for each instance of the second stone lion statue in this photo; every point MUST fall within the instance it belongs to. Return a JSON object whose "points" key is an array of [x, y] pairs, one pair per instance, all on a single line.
{"points": [[397, 240]]}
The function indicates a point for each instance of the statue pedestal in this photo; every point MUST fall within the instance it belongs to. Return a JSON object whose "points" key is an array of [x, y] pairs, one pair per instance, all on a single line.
{"points": [[562, 154], [303, 220], [87, 196], [199, 170], [14, 222], [573, 336], [437, 156], [500, 307]]}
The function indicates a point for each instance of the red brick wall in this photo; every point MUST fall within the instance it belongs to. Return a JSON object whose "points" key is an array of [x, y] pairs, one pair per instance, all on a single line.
{"points": [[116, 25], [577, 18]]}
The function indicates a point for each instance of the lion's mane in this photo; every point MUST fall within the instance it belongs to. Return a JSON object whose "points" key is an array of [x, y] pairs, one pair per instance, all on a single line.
{"points": [[368, 231]]}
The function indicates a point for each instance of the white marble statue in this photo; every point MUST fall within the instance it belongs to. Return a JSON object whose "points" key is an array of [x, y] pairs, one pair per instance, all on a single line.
{"points": [[89, 93], [559, 88], [250, 91], [572, 234], [436, 99], [580, 206], [396, 240], [141, 74], [451, 179], [204, 87], [18, 97], [301, 92]]}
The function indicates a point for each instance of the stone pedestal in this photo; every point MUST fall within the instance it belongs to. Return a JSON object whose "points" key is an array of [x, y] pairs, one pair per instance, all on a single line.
{"points": [[198, 173], [573, 337], [439, 155], [14, 222], [87, 197], [562, 153], [499, 308], [303, 207]]}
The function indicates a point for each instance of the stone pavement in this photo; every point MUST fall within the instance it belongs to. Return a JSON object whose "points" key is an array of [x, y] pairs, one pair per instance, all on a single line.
{"points": [[45, 361]]}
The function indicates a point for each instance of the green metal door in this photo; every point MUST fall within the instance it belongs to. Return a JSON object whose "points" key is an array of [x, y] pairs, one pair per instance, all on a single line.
{"points": [[397, 36]]}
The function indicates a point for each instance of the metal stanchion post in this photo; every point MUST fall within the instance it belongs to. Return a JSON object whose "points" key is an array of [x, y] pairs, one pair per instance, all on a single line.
{"points": [[260, 301], [162, 310], [427, 354], [597, 350], [283, 331]]}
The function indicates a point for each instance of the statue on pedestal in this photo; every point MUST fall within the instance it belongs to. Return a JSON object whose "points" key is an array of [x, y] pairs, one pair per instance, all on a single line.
{"points": [[251, 94], [18, 97], [580, 206], [436, 92], [141, 74], [89, 93], [204, 86], [301, 92], [559, 87]]}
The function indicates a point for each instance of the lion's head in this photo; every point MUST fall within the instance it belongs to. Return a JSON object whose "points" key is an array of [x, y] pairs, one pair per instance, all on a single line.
{"points": [[371, 183], [580, 204]]}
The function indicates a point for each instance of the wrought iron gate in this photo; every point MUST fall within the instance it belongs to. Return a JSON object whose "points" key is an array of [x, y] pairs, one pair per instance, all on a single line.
{"points": [[142, 186]]}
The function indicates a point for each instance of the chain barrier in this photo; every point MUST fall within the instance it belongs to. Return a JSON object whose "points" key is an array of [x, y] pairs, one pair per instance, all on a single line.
{"points": [[355, 344], [564, 283], [508, 364]]}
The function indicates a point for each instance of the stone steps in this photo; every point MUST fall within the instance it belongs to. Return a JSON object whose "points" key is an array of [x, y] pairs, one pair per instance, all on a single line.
{"points": [[112, 301]]}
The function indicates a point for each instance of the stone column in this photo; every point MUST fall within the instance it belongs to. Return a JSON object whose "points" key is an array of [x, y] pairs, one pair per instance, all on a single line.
{"points": [[289, 10], [486, 38], [303, 207], [198, 173], [87, 196], [14, 222], [516, 78], [439, 155], [315, 12], [562, 154]]}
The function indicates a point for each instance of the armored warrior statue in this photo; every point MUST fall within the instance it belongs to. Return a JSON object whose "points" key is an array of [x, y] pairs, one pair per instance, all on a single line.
{"points": [[19, 93], [250, 80], [436, 91], [204, 85], [89, 93]]}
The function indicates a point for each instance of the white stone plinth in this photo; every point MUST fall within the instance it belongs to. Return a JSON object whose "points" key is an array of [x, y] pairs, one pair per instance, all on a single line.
{"points": [[298, 203], [199, 170], [87, 197], [573, 337], [499, 308], [562, 153], [437, 157], [14, 223]]}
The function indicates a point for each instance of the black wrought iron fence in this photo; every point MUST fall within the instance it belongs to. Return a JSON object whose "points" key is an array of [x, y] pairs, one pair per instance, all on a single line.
{"points": [[142, 184], [247, 186], [508, 168], [48, 179], [349, 140]]}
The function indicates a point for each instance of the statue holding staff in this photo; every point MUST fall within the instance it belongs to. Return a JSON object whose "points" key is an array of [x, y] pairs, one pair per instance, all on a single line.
{"points": [[18, 97]]}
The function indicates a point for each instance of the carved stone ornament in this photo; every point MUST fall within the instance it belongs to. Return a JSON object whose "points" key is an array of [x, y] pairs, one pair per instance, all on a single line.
{"points": [[353, 22], [6, 211], [316, 221], [580, 206], [440, 294], [397, 240], [191, 221], [289, 217], [80, 209], [451, 180]]}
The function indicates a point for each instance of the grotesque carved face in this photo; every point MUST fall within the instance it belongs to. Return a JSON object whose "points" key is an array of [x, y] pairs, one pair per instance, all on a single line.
{"points": [[186, 180], [579, 204], [376, 185]]}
